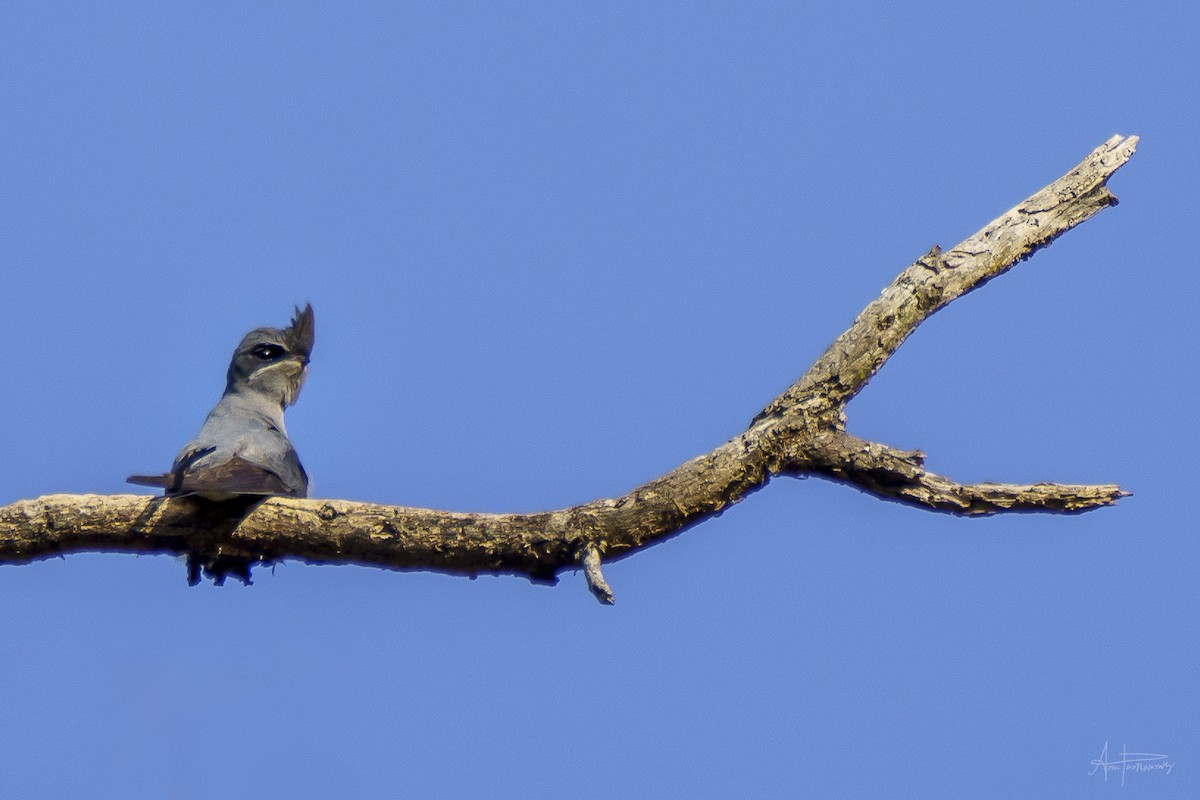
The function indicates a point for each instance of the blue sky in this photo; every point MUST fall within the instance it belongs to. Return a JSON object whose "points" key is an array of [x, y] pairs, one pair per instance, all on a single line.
{"points": [[554, 251]]}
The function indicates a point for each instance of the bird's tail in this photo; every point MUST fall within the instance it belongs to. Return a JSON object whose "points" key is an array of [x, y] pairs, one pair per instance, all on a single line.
{"points": [[161, 481]]}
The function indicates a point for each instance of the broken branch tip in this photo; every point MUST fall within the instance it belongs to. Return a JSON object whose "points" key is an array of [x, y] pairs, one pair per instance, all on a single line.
{"points": [[595, 578]]}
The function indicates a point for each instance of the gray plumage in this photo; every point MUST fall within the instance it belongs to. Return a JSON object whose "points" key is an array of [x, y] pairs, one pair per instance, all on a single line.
{"points": [[243, 448]]}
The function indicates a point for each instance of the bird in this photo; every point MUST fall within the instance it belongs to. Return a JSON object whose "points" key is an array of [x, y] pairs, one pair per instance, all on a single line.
{"points": [[243, 450]]}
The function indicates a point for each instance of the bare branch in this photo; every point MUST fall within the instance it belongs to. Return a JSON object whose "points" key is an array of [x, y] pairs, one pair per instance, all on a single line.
{"points": [[899, 475], [800, 432], [937, 278]]}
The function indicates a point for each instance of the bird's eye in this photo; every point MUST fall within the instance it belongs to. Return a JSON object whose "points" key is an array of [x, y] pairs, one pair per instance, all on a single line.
{"points": [[268, 352]]}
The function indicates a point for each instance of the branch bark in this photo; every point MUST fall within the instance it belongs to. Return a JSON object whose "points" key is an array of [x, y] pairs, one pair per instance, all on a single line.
{"points": [[801, 432]]}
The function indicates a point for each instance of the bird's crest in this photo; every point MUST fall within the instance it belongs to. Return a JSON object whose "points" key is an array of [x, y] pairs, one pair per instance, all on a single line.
{"points": [[299, 336]]}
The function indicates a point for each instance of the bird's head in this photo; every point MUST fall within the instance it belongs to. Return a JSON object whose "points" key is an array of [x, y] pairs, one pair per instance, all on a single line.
{"points": [[274, 362]]}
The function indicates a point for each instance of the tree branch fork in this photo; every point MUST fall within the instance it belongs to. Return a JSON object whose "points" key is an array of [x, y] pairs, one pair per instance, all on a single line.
{"points": [[801, 432]]}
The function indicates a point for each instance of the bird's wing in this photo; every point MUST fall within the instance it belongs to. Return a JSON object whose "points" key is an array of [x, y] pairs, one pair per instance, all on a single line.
{"points": [[271, 451], [233, 475], [287, 466]]}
